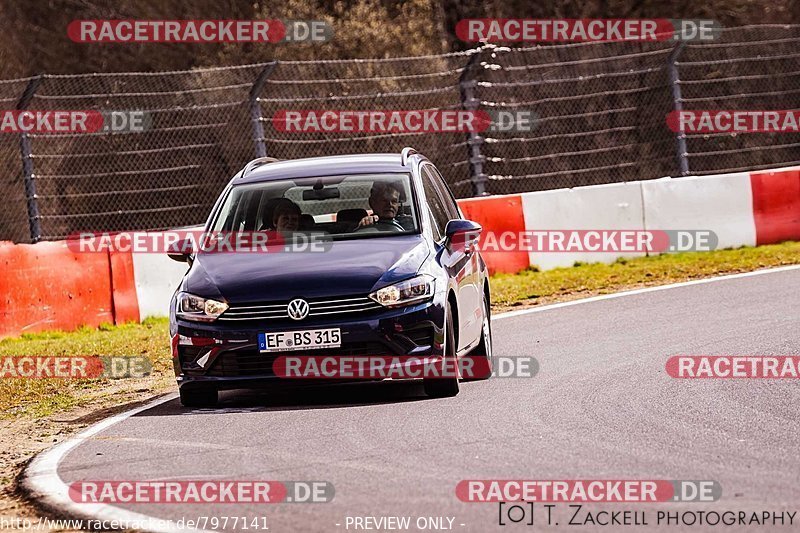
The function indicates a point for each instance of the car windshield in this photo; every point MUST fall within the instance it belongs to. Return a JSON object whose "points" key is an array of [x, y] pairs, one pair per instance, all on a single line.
{"points": [[342, 207]]}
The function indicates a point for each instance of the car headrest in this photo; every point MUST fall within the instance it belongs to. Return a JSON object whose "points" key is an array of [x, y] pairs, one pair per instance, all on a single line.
{"points": [[307, 221], [351, 215]]}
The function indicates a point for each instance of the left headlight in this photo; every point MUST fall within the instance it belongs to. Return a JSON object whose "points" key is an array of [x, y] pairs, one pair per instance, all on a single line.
{"points": [[191, 307], [406, 292]]}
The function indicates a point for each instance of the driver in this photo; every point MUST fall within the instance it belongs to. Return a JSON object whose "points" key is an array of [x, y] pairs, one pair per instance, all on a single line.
{"points": [[384, 199]]}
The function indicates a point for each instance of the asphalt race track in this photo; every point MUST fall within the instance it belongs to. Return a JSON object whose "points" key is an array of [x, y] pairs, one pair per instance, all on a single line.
{"points": [[601, 407]]}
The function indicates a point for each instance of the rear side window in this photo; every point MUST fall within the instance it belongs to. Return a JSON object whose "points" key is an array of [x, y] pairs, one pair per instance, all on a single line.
{"points": [[447, 197], [436, 205]]}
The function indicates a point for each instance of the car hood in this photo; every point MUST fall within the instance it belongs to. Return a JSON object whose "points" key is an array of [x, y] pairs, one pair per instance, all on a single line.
{"points": [[350, 267]]}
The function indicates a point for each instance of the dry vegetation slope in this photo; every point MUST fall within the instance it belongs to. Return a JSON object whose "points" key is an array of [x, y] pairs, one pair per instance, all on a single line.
{"points": [[35, 40]]}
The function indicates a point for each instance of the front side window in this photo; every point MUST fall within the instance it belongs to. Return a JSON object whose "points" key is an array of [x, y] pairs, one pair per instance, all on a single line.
{"points": [[343, 207]]}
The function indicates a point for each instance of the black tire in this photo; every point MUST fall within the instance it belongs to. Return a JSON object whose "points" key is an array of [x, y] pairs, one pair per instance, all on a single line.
{"points": [[445, 387], [198, 396], [484, 348]]}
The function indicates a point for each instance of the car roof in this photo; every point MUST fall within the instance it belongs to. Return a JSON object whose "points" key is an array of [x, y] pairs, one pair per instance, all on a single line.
{"points": [[325, 166]]}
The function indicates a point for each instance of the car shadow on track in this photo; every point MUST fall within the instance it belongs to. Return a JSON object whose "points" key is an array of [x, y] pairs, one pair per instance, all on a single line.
{"points": [[329, 396]]}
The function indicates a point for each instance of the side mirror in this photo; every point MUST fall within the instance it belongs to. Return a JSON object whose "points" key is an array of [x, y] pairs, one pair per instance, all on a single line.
{"points": [[181, 250], [462, 234]]}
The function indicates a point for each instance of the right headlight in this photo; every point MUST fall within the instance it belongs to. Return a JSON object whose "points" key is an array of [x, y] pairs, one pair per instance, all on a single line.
{"points": [[191, 307], [406, 292]]}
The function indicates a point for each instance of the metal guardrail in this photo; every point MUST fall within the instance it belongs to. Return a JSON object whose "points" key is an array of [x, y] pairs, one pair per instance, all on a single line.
{"points": [[601, 111]]}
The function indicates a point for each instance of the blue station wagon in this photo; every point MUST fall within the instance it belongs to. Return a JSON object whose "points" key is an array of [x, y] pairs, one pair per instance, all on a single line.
{"points": [[400, 274]]}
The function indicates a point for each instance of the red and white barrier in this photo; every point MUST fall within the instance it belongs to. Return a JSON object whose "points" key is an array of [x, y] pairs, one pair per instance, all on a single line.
{"points": [[776, 204], [48, 286], [743, 209]]}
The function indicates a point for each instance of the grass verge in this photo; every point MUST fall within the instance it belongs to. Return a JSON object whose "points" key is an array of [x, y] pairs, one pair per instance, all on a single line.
{"points": [[39, 413], [531, 287], [43, 397]]}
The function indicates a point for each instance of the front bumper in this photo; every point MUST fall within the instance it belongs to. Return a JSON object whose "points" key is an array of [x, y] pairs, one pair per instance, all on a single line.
{"points": [[226, 354]]}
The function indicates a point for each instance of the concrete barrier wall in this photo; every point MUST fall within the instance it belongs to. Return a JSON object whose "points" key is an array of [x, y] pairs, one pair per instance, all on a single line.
{"points": [[48, 286], [723, 204], [156, 278], [614, 206]]}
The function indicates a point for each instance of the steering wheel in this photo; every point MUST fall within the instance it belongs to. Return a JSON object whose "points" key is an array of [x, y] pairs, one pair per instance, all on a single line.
{"points": [[380, 225]]}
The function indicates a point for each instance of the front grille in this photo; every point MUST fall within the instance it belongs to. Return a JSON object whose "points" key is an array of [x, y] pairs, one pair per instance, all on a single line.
{"points": [[239, 363], [317, 308]]}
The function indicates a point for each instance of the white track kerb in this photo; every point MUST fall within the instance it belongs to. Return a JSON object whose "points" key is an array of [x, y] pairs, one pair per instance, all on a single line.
{"points": [[43, 483]]}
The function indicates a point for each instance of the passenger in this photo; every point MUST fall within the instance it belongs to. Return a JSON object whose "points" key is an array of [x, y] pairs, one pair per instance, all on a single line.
{"points": [[384, 199], [285, 216]]}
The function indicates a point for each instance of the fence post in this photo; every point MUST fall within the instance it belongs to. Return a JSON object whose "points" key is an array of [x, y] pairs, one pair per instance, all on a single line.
{"points": [[255, 108], [34, 220], [469, 102], [677, 105]]}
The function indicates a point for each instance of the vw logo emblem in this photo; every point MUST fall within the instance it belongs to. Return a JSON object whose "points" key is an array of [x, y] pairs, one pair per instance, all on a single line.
{"points": [[298, 309]]}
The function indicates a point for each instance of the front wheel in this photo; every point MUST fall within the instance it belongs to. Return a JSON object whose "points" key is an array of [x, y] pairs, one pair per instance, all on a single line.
{"points": [[445, 387], [483, 350]]}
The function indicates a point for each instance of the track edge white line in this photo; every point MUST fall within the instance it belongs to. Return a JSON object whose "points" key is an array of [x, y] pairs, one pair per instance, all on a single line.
{"points": [[643, 290], [41, 482]]}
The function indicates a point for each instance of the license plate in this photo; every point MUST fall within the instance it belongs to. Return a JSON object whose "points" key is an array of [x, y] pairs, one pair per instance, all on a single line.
{"points": [[308, 339]]}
